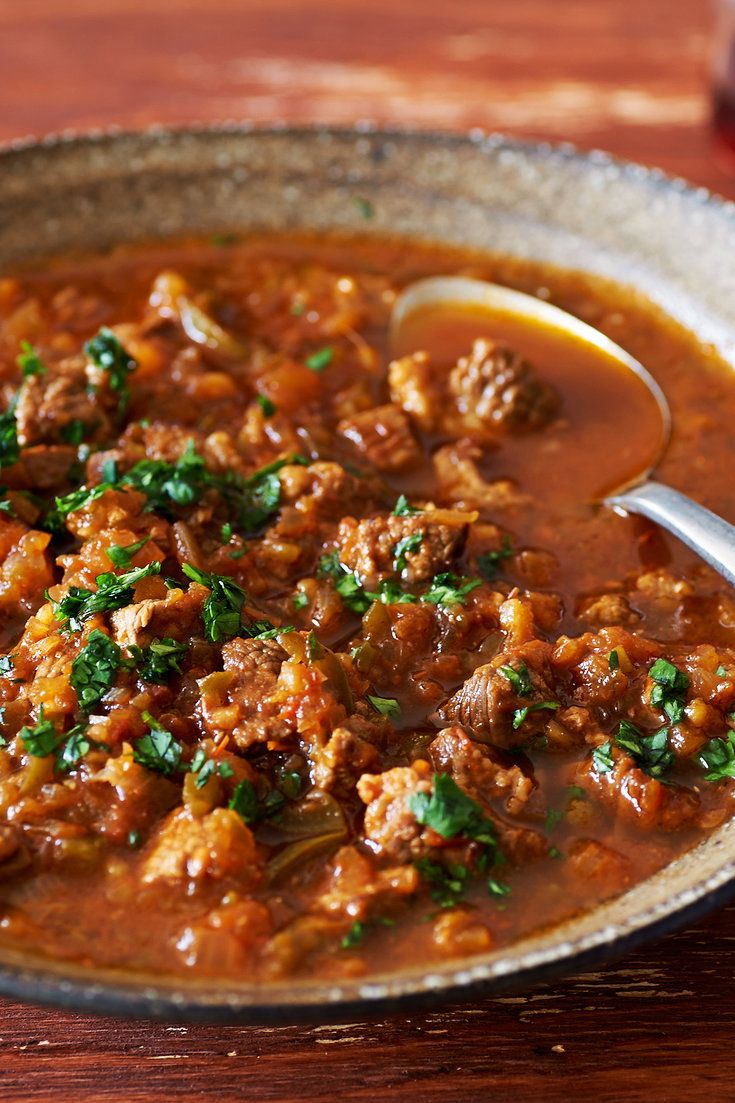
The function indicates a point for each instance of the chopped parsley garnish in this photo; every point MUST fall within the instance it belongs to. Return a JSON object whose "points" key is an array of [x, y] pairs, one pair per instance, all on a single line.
{"points": [[649, 752], [74, 431], [204, 768], [721, 671], [41, 740], [718, 757], [553, 818], [226, 532], [7, 665], [244, 801], [670, 689], [403, 508], [169, 484], [346, 583], [107, 353], [602, 758], [122, 556], [298, 308], [320, 359], [554, 852], [613, 661], [489, 563], [448, 883], [520, 714], [113, 592], [404, 547], [266, 404], [94, 670], [576, 792], [75, 747], [497, 888], [28, 360], [158, 662], [447, 589], [223, 608], [300, 599], [364, 207], [9, 447], [386, 706], [519, 679], [360, 928], [450, 812], [69, 503], [157, 750]]}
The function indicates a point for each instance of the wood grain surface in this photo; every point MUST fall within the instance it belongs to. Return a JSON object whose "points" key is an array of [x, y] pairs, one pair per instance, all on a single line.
{"points": [[625, 75]]}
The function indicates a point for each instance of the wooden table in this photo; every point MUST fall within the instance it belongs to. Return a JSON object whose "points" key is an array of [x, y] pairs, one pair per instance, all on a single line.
{"points": [[625, 75]]}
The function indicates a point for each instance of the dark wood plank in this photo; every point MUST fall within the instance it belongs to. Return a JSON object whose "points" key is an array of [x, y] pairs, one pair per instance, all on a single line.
{"points": [[624, 75]]}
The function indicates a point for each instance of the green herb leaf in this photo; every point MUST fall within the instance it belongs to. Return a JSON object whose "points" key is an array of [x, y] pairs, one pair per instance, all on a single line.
{"points": [[364, 207], [650, 752], [29, 361], [158, 662], [447, 589], [402, 508], [106, 352], [489, 563], [223, 608], [519, 679], [113, 592], [9, 447], [41, 740], [386, 706], [75, 747], [520, 714], [670, 690], [602, 758], [121, 556], [404, 547], [450, 812], [320, 359], [448, 883], [718, 757], [94, 670], [244, 801], [267, 406], [613, 661], [300, 600], [157, 750]]}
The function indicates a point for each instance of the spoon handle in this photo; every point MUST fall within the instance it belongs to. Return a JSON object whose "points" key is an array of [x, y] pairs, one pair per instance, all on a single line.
{"points": [[700, 529]]}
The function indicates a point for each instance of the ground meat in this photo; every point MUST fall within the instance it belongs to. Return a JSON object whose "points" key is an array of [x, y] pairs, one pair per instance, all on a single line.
{"points": [[391, 828], [494, 387], [481, 773], [383, 436], [370, 547], [178, 616], [242, 705], [638, 798], [488, 701], [48, 404], [191, 850]]}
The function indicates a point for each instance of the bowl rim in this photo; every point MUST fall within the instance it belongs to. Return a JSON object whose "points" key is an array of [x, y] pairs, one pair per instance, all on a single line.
{"points": [[102, 991]]}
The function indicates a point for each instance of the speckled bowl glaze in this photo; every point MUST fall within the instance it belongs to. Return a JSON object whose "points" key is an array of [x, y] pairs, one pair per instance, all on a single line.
{"points": [[545, 203]]}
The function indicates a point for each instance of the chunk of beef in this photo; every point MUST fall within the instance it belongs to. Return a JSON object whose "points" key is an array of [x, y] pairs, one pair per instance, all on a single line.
{"points": [[43, 467], [347, 754], [324, 491], [178, 615], [48, 404], [462, 485], [241, 704], [494, 387], [358, 890], [415, 547], [192, 850], [391, 828], [482, 773], [607, 609], [494, 696], [383, 436], [638, 798], [414, 387]]}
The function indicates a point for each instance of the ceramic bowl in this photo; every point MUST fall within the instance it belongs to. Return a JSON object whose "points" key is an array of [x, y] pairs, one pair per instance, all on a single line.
{"points": [[540, 202]]}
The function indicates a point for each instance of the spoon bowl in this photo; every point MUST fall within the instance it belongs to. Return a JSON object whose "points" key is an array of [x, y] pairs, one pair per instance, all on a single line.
{"points": [[704, 532]]}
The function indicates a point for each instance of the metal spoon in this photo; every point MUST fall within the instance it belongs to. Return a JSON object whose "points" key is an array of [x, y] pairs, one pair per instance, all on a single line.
{"points": [[704, 532]]}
